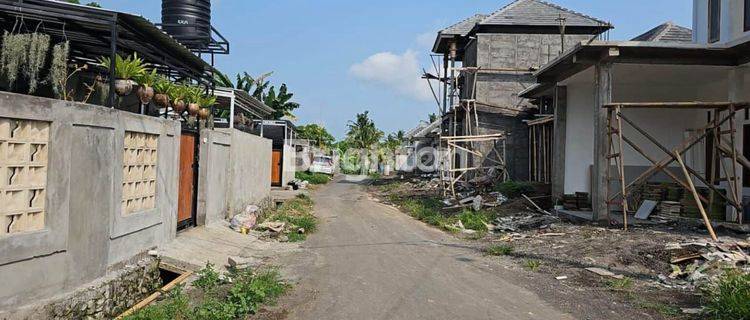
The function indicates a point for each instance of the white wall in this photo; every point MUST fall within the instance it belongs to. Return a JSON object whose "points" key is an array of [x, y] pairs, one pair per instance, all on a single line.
{"points": [[732, 20], [579, 138], [639, 83]]}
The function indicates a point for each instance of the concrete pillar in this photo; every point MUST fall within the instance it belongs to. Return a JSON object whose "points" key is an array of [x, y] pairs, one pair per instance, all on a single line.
{"points": [[558, 145], [599, 173]]}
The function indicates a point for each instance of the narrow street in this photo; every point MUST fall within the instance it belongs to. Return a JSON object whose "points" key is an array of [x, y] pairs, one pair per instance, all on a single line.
{"points": [[369, 261]]}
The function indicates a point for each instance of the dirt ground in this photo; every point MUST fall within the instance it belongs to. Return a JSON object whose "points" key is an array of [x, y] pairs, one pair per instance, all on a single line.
{"points": [[641, 257]]}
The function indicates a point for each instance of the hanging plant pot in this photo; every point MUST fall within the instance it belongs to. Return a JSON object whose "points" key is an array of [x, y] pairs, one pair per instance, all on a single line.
{"points": [[179, 106], [193, 108], [203, 113], [145, 94], [161, 100], [123, 87]]}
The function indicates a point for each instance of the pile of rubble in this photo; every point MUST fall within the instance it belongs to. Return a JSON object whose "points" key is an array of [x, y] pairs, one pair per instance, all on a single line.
{"points": [[698, 263], [278, 230], [298, 184]]}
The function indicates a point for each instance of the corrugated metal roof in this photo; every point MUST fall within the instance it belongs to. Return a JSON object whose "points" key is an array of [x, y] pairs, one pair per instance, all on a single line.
{"points": [[667, 32], [539, 13], [462, 28]]}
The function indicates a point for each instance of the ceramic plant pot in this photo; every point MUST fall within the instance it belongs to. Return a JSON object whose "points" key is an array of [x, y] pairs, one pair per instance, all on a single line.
{"points": [[193, 108], [145, 94], [123, 87], [161, 100], [203, 113], [179, 106]]}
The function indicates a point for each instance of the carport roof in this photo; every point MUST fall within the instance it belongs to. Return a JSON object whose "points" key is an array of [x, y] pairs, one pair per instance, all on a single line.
{"points": [[585, 55]]}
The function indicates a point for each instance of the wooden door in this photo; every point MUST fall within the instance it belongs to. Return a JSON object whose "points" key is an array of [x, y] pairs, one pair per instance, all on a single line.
{"points": [[186, 195], [276, 165]]}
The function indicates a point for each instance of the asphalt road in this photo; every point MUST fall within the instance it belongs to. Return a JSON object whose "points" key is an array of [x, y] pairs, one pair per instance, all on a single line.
{"points": [[369, 261]]}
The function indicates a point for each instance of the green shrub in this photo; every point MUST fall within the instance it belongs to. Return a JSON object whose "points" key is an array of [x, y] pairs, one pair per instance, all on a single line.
{"points": [[208, 278], [729, 298], [514, 189], [313, 178], [176, 306], [244, 297], [532, 265], [620, 284], [499, 250]]}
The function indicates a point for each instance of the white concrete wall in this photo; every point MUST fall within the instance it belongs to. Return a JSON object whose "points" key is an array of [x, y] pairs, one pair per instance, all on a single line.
{"points": [[579, 142], [732, 20], [639, 83]]}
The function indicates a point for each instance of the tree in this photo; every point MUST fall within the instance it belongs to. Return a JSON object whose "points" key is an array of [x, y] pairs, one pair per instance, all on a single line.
{"points": [[362, 131], [394, 140], [316, 133], [280, 102], [90, 4], [258, 87], [433, 117]]}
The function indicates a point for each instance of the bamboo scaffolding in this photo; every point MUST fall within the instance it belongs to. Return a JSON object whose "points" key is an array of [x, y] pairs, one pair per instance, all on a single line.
{"points": [[719, 152]]}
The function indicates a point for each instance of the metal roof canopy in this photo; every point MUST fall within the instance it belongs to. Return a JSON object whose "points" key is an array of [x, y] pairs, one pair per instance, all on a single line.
{"points": [[240, 99], [94, 32]]}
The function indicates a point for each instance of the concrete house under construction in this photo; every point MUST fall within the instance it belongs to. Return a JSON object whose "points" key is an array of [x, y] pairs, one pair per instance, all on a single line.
{"points": [[632, 116], [498, 53]]}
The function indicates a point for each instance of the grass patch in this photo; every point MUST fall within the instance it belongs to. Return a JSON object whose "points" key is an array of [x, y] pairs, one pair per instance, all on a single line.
{"points": [[514, 189], [217, 300], [313, 178], [729, 297], [476, 220], [298, 213], [499, 250], [532, 265], [620, 284], [427, 210]]}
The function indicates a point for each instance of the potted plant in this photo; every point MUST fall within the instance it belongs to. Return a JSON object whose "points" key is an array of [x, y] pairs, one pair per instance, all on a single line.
{"points": [[178, 96], [125, 71], [193, 97], [206, 102], [163, 88], [146, 81]]}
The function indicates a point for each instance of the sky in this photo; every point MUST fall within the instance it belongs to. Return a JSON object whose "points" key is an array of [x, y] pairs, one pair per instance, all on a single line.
{"points": [[343, 57]]}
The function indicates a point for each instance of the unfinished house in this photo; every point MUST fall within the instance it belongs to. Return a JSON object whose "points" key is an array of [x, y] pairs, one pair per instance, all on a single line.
{"points": [[419, 147], [498, 53], [665, 121]]}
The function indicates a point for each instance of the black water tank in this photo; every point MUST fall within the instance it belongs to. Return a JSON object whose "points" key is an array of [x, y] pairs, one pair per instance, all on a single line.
{"points": [[188, 21]]}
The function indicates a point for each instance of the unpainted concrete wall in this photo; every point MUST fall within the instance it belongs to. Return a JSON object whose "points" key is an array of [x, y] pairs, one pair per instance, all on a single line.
{"points": [[250, 171], [235, 171], [85, 231], [289, 167], [519, 51]]}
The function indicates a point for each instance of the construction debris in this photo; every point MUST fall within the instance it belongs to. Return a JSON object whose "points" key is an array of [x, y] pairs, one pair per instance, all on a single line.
{"points": [[524, 222], [273, 226], [605, 273], [245, 221], [243, 262]]}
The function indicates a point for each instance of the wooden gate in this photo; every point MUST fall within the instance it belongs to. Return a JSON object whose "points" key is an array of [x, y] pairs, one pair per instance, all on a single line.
{"points": [[276, 167], [186, 199]]}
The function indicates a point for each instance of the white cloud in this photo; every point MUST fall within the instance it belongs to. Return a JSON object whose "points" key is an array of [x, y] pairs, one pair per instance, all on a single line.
{"points": [[426, 40], [398, 72]]}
